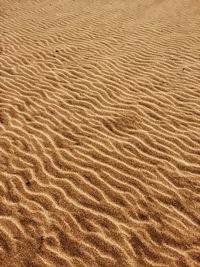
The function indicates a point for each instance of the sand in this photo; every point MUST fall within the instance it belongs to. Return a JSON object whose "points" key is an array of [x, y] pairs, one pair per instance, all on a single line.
{"points": [[100, 133]]}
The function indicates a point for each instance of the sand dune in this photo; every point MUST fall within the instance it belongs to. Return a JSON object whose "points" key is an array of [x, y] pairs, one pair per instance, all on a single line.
{"points": [[100, 133]]}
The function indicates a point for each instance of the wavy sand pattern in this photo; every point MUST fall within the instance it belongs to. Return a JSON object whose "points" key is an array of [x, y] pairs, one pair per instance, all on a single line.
{"points": [[100, 133]]}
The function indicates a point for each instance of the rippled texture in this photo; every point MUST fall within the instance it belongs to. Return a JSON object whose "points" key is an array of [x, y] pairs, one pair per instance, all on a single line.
{"points": [[100, 133]]}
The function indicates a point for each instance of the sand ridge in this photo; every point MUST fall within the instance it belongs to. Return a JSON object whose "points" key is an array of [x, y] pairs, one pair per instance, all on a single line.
{"points": [[100, 133]]}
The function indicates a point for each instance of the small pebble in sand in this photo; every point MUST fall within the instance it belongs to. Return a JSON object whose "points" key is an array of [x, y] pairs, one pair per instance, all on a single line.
{"points": [[11, 70], [185, 67]]}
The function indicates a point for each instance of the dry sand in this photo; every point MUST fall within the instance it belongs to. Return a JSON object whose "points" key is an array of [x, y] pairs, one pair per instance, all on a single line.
{"points": [[100, 133]]}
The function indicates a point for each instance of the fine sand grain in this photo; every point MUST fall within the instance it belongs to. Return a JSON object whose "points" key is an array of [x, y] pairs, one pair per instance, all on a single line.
{"points": [[99, 133]]}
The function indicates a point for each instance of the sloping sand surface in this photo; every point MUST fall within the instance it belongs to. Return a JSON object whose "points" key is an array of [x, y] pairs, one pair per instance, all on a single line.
{"points": [[99, 133]]}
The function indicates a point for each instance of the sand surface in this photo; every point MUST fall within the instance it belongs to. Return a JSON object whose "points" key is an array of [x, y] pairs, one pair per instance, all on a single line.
{"points": [[99, 133]]}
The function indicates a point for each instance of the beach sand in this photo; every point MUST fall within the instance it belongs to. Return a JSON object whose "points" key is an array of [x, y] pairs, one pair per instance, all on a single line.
{"points": [[100, 133]]}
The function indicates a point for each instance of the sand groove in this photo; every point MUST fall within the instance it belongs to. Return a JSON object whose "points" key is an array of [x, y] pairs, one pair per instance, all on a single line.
{"points": [[100, 133]]}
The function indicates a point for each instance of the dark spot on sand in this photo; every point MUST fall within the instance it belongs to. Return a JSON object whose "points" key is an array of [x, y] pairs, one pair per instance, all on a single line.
{"points": [[28, 183], [77, 143], [42, 238], [142, 216], [57, 51], [1, 118]]}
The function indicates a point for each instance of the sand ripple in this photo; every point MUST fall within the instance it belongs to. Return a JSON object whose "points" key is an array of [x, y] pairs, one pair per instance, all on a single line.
{"points": [[100, 133]]}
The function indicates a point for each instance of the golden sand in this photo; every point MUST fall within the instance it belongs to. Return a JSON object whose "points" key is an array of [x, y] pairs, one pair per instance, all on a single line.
{"points": [[100, 133]]}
